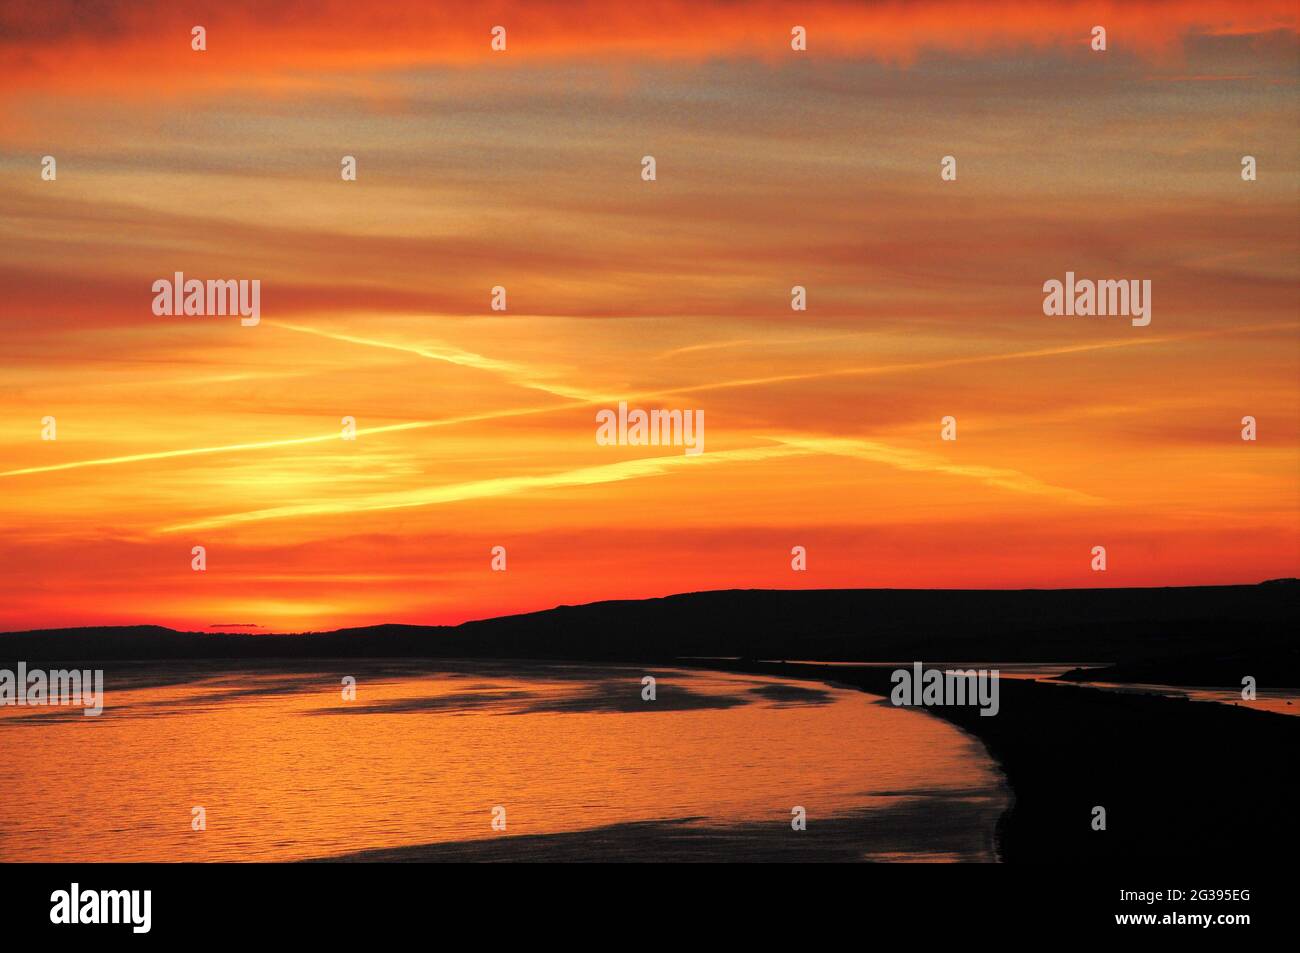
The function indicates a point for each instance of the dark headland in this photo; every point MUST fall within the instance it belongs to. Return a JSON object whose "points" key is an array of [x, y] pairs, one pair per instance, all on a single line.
{"points": [[1178, 779]]}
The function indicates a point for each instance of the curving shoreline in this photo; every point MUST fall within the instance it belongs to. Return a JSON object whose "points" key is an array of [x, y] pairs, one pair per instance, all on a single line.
{"points": [[1178, 779]]}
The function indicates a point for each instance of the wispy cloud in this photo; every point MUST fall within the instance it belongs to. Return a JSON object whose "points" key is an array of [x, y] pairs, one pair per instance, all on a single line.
{"points": [[143, 44]]}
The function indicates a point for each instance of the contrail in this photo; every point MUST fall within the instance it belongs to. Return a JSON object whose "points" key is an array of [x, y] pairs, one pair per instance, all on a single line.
{"points": [[654, 395], [518, 374], [914, 460], [785, 446], [501, 486], [194, 451]]}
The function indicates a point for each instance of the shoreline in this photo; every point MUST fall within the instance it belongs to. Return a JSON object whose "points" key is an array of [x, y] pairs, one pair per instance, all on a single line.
{"points": [[1178, 779], [828, 675]]}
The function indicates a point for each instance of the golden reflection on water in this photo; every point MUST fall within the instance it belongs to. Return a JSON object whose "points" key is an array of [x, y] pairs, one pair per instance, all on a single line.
{"points": [[286, 769]]}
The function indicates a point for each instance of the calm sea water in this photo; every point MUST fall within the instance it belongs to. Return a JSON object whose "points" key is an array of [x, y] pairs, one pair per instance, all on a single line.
{"points": [[415, 766]]}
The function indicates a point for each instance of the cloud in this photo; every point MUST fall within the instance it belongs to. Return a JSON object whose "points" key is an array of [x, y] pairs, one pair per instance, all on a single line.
{"points": [[142, 47]]}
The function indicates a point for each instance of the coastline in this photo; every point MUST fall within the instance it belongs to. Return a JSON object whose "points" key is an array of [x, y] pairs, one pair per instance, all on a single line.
{"points": [[1178, 779]]}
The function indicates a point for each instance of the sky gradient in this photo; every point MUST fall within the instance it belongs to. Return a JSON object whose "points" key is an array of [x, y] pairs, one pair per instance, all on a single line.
{"points": [[522, 169]]}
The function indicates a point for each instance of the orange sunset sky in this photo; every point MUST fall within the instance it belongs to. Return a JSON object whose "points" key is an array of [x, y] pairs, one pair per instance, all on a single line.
{"points": [[522, 169]]}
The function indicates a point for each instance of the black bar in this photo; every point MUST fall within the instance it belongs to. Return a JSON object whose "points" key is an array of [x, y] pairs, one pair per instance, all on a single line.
{"points": [[647, 903]]}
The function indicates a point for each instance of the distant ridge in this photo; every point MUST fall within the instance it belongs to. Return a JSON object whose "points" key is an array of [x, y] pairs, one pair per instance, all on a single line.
{"points": [[1041, 625]]}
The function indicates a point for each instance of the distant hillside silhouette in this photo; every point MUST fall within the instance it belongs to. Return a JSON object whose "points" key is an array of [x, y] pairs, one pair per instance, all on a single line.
{"points": [[1068, 625]]}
